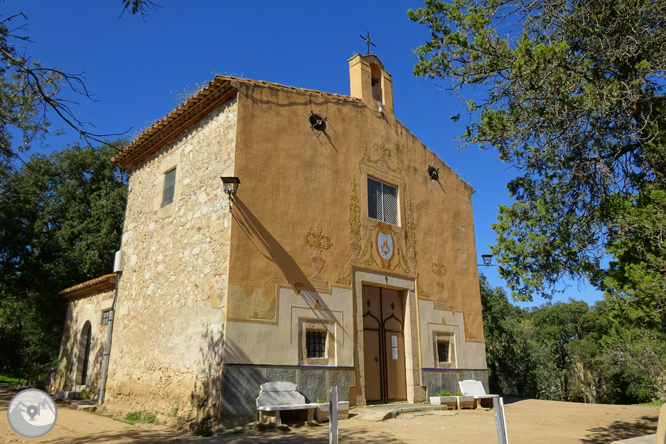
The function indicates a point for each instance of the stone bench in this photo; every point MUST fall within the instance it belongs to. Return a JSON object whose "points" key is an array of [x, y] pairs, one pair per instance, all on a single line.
{"points": [[276, 397], [472, 387]]}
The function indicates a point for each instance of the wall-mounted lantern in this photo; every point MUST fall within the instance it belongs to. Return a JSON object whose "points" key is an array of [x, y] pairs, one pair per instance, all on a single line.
{"points": [[230, 185], [317, 122], [487, 260], [433, 173]]}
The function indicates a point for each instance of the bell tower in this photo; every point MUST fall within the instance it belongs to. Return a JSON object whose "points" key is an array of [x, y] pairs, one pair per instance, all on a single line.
{"points": [[370, 82]]}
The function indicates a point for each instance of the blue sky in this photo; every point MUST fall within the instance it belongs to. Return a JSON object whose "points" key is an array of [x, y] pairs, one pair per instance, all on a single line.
{"points": [[138, 70]]}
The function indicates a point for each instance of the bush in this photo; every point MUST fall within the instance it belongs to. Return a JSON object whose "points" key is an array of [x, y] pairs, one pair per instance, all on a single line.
{"points": [[142, 417], [204, 427]]}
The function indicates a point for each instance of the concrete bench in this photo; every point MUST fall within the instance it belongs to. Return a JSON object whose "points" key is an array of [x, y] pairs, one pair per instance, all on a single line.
{"points": [[472, 387], [276, 397]]}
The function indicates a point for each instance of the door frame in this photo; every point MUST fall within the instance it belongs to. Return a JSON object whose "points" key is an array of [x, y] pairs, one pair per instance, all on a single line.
{"points": [[415, 390], [386, 383]]}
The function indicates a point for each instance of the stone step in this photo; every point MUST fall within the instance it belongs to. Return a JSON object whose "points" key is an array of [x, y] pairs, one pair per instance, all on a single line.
{"points": [[382, 412], [67, 395], [83, 405]]}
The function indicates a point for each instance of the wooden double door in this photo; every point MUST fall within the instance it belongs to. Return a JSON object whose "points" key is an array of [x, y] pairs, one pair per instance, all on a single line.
{"points": [[384, 345]]}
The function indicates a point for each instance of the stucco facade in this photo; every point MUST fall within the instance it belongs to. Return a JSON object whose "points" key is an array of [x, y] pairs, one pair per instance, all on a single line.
{"points": [[213, 303]]}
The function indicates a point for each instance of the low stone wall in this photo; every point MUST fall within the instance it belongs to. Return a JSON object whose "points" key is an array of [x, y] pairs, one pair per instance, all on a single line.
{"points": [[240, 387], [437, 380]]}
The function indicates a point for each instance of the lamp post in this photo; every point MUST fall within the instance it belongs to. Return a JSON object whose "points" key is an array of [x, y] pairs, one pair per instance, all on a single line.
{"points": [[230, 186]]}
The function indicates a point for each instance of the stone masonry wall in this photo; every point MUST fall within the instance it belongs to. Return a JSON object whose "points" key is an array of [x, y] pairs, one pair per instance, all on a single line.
{"points": [[80, 311], [167, 340]]}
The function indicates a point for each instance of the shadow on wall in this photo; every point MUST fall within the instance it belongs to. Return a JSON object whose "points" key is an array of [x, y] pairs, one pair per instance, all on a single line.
{"points": [[206, 398], [70, 359], [272, 250], [622, 430]]}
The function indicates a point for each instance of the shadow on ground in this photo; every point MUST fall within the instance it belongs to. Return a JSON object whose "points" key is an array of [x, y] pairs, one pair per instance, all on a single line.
{"points": [[622, 430], [320, 435]]}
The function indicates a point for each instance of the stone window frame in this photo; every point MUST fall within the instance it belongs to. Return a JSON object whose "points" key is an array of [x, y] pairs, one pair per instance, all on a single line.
{"points": [[327, 326], [168, 164], [167, 199], [316, 335], [105, 317], [382, 217], [382, 175], [448, 337]]}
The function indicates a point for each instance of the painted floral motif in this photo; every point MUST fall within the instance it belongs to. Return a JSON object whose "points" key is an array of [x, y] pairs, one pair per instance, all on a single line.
{"points": [[316, 240], [438, 269]]}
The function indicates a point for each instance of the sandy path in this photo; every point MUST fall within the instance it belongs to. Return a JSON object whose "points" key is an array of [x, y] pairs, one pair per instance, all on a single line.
{"points": [[528, 421]]}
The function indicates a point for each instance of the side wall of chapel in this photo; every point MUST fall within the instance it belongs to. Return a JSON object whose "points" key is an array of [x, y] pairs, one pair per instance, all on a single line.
{"points": [[168, 331], [81, 312]]}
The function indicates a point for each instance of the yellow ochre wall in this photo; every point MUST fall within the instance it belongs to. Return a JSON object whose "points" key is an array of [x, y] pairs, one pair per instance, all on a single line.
{"points": [[302, 205]]}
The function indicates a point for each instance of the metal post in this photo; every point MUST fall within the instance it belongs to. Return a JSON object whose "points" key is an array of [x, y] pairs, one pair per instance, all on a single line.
{"points": [[333, 415], [107, 346], [500, 421], [118, 270]]}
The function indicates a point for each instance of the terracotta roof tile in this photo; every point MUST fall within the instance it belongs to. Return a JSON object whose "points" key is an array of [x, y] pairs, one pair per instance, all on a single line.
{"points": [[215, 93], [102, 283]]}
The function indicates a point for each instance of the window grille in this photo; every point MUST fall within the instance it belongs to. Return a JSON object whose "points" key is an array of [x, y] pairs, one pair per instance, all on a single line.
{"points": [[105, 317], [315, 344], [169, 186], [382, 201], [443, 351]]}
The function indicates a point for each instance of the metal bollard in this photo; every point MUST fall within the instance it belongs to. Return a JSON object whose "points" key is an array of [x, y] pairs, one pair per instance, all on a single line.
{"points": [[333, 415], [500, 421]]}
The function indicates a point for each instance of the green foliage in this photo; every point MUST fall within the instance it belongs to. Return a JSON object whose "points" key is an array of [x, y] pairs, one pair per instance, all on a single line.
{"points": [[511, 356], [83, 394], [133, 417], [10, 379], [204, 427], [60, 224], [572, 95], [443, 393], [570, 352], [25, 89], [140, 417], [321, 401]]}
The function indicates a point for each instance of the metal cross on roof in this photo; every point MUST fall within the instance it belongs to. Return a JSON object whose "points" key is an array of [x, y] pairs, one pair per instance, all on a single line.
{"points": [[368, 41]]}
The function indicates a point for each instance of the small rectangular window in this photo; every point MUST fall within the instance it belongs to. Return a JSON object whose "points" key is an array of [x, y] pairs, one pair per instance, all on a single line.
{"points": [[315, 344], [105, 317], [169, 187], [382, 201], [443, 351]]}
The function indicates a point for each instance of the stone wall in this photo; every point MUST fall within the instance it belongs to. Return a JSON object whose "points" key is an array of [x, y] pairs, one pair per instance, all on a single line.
{"points": [[168, 332], [447, 379], [80, 311]]}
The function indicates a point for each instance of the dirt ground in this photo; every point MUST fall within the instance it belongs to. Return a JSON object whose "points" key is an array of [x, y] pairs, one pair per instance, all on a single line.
{"points": [[528, 421]]}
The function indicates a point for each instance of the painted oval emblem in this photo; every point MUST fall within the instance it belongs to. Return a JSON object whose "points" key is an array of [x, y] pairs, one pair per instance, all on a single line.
{"points": [[385, 245]]}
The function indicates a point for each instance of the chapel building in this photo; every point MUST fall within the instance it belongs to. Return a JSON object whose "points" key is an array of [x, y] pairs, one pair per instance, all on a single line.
{"points": [[347, 257]]}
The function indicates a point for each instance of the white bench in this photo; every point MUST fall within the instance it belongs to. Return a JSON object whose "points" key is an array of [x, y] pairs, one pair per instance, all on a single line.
{"points": [[280, 396], [472, 387]]}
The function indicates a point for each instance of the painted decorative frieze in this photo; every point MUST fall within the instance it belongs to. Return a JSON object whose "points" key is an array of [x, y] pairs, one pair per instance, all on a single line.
{"points": [[382, 158], [316, 240]]}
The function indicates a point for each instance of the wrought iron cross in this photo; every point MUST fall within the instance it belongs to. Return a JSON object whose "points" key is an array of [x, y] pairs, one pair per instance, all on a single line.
{"points": [[368, 41]]}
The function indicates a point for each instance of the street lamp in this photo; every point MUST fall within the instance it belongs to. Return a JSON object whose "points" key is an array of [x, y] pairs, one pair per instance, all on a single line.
{"points": [[230, 185]]}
